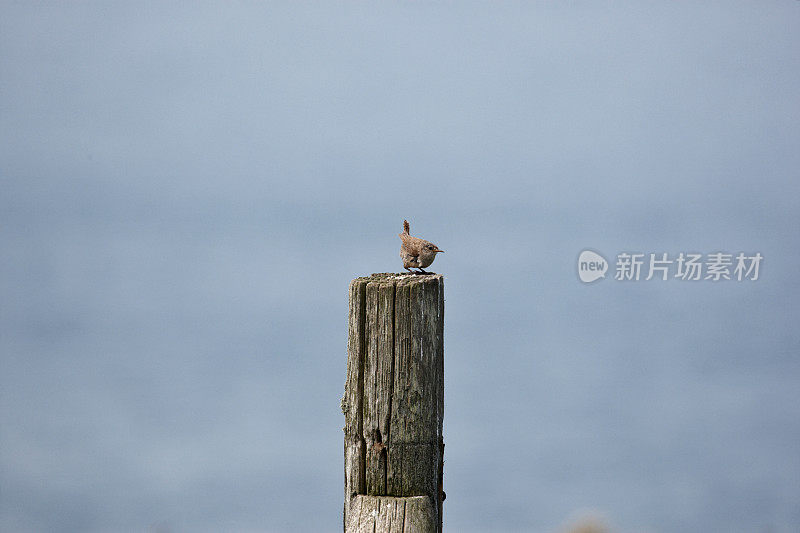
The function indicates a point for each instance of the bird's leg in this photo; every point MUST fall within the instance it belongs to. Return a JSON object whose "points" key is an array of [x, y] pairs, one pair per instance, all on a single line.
{"points": [[421, 271], [407, 268]]}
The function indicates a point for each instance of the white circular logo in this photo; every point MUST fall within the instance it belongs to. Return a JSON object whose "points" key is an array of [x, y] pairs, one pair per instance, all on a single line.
{"points": [[591, 266]]}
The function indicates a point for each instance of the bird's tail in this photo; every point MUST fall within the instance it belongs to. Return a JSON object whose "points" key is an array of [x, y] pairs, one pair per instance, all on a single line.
{"points": [[406, 227]]}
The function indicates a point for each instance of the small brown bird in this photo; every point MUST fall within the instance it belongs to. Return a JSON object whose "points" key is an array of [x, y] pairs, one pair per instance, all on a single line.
{"points": [[416, 252]]}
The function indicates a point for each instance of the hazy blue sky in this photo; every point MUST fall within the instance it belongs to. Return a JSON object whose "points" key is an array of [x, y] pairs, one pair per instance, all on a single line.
{"points": [[188, 188]]}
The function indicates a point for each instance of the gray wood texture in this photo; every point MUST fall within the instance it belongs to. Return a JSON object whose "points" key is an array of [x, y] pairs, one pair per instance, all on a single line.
{"points": [[391, 514], [394, 399]]}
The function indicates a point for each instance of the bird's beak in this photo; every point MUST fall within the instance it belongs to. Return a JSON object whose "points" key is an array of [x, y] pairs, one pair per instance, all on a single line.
{"points": [[438, 250]]}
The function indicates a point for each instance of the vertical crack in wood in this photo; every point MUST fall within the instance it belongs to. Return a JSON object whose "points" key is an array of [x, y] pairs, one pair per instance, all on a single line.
{"points": [[362, 350], [377, 514], [388, 439], [400, 407], [376, 382], [370, 395]]}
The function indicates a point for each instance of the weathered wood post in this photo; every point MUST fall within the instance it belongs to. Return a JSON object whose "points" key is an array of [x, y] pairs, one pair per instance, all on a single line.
{"points": [[394, 405]]}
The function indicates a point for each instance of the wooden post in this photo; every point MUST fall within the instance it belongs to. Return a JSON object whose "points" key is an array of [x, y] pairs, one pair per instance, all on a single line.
{"points": [[394, 405]]}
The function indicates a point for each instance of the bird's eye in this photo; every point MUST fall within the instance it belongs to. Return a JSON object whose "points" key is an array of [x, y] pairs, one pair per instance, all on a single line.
{"points": [[430, 247]]}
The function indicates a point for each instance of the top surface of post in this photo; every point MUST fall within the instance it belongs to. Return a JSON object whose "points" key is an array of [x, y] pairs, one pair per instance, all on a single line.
{"points": [[394, 277]]}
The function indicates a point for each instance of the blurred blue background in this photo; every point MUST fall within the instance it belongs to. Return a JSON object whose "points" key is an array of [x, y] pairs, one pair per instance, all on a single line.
{"points": [[188, 188]]}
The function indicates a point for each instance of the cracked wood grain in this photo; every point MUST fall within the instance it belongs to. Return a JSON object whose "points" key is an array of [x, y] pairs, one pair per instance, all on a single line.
{"points": [[394, 395]]}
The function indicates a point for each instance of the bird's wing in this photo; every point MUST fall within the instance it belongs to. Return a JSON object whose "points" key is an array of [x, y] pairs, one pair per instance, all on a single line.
{"points": [[411, 245]]}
